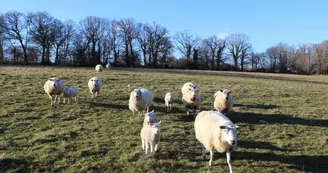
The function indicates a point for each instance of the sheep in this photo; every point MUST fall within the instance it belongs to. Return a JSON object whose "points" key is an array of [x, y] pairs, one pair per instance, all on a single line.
{"points": [[140, 100], [215, 131], [191, 100], [223, 101], [54, 87], [169, 99], [150, 135], [94, 86], [69, 93], [99, 68], [150, 118], [108, 66], [188, 86]]}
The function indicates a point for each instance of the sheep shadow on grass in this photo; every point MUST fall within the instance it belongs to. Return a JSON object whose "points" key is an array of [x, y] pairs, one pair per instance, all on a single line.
{"points": [[19, 165], [257, 106], [254, 118], [260, 145], [108, 105], [300, 163]]}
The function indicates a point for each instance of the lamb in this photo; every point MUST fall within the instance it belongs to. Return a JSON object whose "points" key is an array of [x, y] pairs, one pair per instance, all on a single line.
{"points": [[54, 87], [140, 100], [108, 66], [99, 68], [150, 118], [191, 100], [188, 86], [150, 135], [169, 99], [223, 101], [94, 86], [215, 131], [69, 93]]}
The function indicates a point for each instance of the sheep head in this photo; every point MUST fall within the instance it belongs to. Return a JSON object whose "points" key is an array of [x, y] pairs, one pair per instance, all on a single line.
{"points": [[156, 127], [151, 117], [229, 134], [137, 94], [54, 81]]}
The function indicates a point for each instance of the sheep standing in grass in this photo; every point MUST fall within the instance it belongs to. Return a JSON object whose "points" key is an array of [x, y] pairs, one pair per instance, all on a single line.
{"points": [[150, 118], [94, 86], [54, 87], [108, 66], [191, 100], [150, 135], [188, 86], [169, 99], [140, 100], [69, 93], [99, 68], [223, 101], [215, 131]]}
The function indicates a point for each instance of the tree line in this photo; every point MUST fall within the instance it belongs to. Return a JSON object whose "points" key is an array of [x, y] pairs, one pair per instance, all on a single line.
{"points": [[40, 38]]}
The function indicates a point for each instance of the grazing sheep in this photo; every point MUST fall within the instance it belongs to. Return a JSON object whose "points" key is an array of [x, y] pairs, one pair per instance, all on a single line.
{"points": [[69, 93], [140, 100], [150, 118], [188, 86], [169, 99], [150, 135], [94, 86], [99, 68], [108, 66], [223, 101], [54, 87], [191, 100], [215, 131]]}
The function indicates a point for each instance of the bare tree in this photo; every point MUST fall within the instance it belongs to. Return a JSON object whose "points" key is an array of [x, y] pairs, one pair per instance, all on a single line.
{"points": [[143, 41], [2, 38], [185, 43], [238, 45], [15, 27], [216, 46], [204, 54], [116, 41]]}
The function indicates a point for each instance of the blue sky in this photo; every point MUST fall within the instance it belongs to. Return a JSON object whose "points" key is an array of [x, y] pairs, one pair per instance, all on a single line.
{"points": [[266, 23]]}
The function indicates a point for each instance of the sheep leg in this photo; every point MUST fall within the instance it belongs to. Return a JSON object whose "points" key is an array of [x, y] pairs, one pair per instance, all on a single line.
{"points": [[203, 151], [75, 98], [96, 94], [56, 96], [143, 144], [156, 146], [229, 161], [64, 101], [92, 96], [211, 158], [147, 146], [68, 100], [151, 148], [52, 101]]}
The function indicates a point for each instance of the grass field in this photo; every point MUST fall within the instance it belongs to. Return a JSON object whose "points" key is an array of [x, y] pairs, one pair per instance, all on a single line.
{"points": [[285, 120]]}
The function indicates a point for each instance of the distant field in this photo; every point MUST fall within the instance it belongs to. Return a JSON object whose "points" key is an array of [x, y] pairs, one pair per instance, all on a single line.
{"points": [[285, 120]]}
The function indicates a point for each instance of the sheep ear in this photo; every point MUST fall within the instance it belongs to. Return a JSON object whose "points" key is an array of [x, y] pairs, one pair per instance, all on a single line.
{"points": [[221, 91], [222, 127], [229, 91], [237, 127], [159, 122], [152, 111], [50, 79]]}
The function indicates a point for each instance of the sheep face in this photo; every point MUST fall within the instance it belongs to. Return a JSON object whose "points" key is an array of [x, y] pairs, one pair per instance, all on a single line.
{"points": [[225, 94], [150, 117], [229, 134], [137, 94], [193, 87], [66, 91], [94, 82], [193, 95], [54, 81], [156, 127]]}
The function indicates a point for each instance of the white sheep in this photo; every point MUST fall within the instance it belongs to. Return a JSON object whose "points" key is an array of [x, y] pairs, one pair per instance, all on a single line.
{"points": [[94, 86], [99, 68], [188, 86], [169, 99], [70, 92], [140, 100], [54, 87], [215, 131], [191, 100], [223, 101], [150, 118], [108, 66], [150, 135]]}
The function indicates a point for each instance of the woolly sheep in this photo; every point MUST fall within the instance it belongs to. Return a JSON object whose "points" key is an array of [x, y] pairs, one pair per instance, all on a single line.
{"points": [[99, 68], [108, 66], [54, 87], [169, 99], [223, 101], [150, 118], [215, 131], [188, 86], [191, 100], [150, 135], [94, 86], [70, 92], [140, 100]]}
